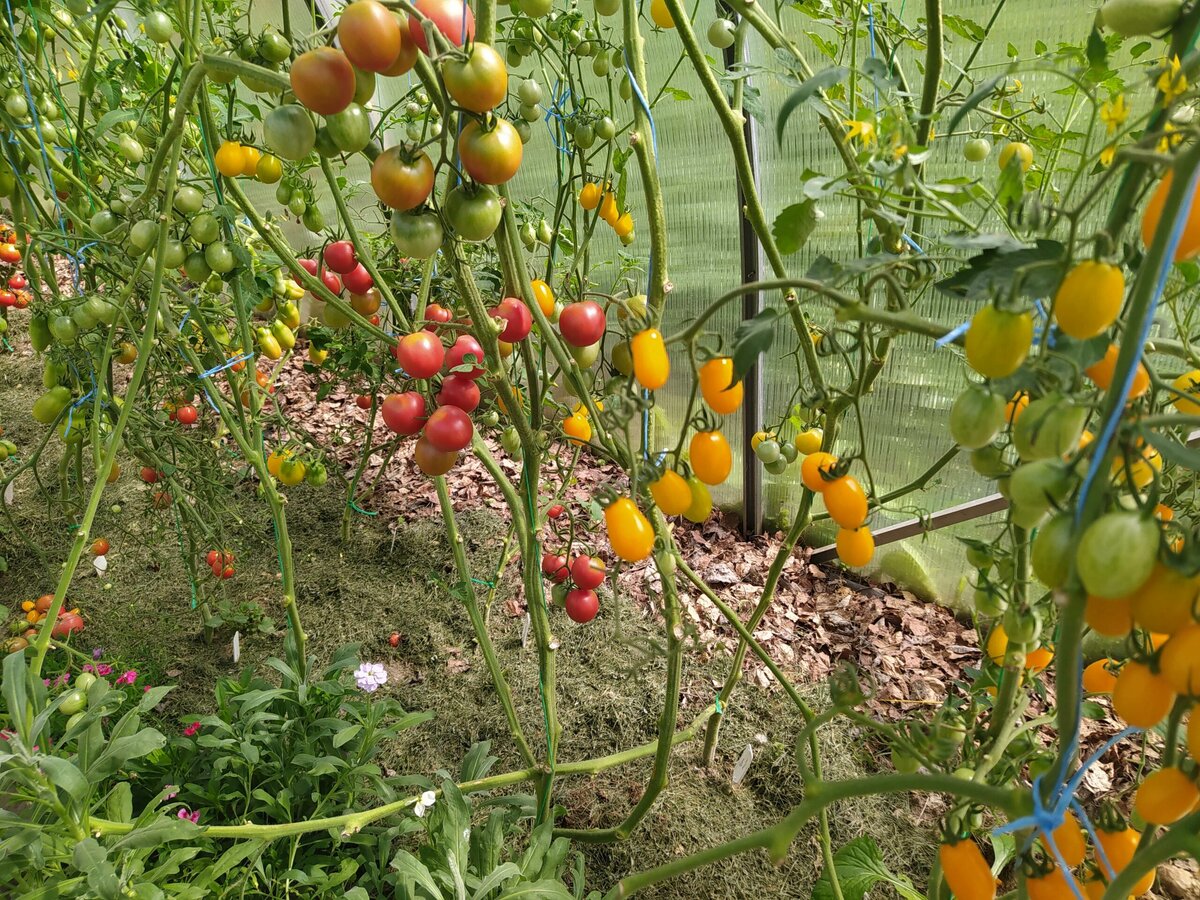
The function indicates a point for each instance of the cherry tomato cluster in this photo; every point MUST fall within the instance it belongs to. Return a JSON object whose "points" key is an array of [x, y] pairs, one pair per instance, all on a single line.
{"points": [[69, 620], [221, 563], [592, 196], [291, 469], [575, 579]]}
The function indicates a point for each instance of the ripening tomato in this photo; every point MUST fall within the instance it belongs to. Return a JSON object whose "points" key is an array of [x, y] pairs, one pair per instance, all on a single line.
{"points": [[1189, 244], [1050, 885], [998, 341], [323, 80], [671, 493], [466, 346], [366, 303], [340, 255], [449, 429], [1119, 848], [1117, 553], [490, 156], [629, 530], [577, 428], [150, 475], [358, 280], [459, 390], [855, 547], [1141, 697], [544, 297], [447, 17], [588, 572], [420, 354], [370, 35], [9, 253], [478, 83], [1098, 679], [363, 401], [581, 605], [1089, 299], [1102, 373], [100, 547], [651, 364], [1180, 661], [846, 501], [582, 324], [1069, 839], [67, 624], [813, 466], [966, 871], [230, 159], [717, 387], [589, 195], [1166, 796], [710, 456], [1023, 153], [403, 413], [1165, 602], [436, 314], [432, 461], [517, 320], [555, 567], [401, 180], [186, 415]]}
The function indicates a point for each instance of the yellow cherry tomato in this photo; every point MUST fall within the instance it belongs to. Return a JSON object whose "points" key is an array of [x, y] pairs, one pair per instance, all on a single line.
{"points": [[701, 506], [1180, 661], [661, 14], [230, 159], [1188, 384], [1023, 152], [608, 208], [710, 456], [544, 297], [855, 547], [624, 225], [721, 395], [672, 494], [250, 160], [578, 429], [276, 460], [1103, 371], [809, 441], [1166, 796], [315, 356], [1089, 299], [292, 472], [1119, 848], [629, 530], [812, 467], [1165, 601], [651, 365], [1141, 697], [966, 871], [1097, 679], [269, 169], [998, 341], [846, 501], [759, 437], [589, 195]]}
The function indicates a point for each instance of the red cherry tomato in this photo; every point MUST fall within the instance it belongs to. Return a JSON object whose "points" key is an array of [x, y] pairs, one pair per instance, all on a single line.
{"points": [[420, 354], [456, 355], [587, 572], [449, 429], [582, 605], [150, 475], [404, 413], [582, 324], [555, 567], [556, 511], [8, 298], [394, 639], [358, 280], [332, 282], [458, 390], [436, 315], [67, 624], [340, 257], [100, 547], [517, 319], [227, 572], [363, 401], [212, 557], [447, 17], [187, 415], [310, 266], [18, 282]]}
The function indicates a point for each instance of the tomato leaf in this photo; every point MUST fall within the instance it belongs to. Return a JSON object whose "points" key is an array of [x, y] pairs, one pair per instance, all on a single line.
{"points": [[860, 867], [794, 225], [818, 82], [994, 273], [1097, 49], [753, 337]]}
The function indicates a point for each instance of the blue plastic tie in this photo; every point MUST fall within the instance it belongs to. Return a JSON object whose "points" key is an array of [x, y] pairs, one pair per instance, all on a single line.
{"points": [[641, 98], [952, 335], [71, 412], [225, 365]]}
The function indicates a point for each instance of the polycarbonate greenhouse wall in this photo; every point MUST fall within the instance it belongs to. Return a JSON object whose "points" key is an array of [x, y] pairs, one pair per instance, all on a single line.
{"points": [[905, 417]]}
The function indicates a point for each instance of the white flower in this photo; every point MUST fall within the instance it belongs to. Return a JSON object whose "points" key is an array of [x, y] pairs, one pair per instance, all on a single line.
{"points": [[419, 810], [369, 676], [428, 798]]}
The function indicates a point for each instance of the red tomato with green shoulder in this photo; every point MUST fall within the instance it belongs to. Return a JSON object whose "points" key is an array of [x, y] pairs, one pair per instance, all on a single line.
{"points": [[404, 413]]}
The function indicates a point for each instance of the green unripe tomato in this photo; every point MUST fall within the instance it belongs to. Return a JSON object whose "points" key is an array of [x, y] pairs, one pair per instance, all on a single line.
{"points": [[72, 702], [158, 27], [720, 33], [977, 150], [768, 451], [529, 92]]}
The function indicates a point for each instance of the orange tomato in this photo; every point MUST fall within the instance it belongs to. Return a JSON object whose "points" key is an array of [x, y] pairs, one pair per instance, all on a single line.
{"points": [[1166, 796], [710, 456], [1102, 373], [1189, 245], [855, 547], [846, 501], [1097, 679], [544, 297], [1141, 697], [1111, 618], [812, 467]]}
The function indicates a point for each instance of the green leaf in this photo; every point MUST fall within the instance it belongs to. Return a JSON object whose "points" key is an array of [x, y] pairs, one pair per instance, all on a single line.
{"points": [[90, 858], [16, 676], [752, 338], [537, 890], [118, 805], [1004, 848], [111, 118], [991, 273], [64, 776], [123, 749], [154, 696], [1139, 48], [966, 28], [235, 856], [1097, 49], [496, 879], [160, 831], [413, 872], [818, 82], [477, 762], [794, 225], [860, 867]]}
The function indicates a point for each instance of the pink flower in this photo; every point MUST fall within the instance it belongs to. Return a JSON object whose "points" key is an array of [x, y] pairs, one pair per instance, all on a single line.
{"points": [[104, 669], [62, 679], [5, 734], [128, 678], [193, 817], [191, 730], [171, 795]]}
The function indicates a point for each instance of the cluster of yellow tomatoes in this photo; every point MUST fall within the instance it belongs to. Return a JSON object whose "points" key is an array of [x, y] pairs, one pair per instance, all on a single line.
{"points": [[234, 159], [592, 196], [292, 470]]}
